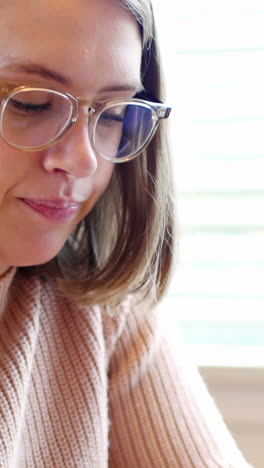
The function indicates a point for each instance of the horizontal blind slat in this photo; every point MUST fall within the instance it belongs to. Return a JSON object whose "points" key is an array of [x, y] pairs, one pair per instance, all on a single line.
{"points": [[225, 211], [205, 33], [222, 250], [205, 308], [222, 176], [218, 104], [214, 69], [205, 139], [244, 282]]}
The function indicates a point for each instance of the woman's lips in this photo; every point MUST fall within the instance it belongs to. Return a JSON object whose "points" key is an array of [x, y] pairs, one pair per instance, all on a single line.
{"points": [[58, 211]]}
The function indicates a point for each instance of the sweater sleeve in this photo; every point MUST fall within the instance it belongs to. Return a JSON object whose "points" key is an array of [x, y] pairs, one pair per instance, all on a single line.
{"points": [[160, 411]]}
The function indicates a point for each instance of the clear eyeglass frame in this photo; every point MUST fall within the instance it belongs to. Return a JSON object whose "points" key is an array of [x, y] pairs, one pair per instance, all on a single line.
{"points": [[158, 110]]}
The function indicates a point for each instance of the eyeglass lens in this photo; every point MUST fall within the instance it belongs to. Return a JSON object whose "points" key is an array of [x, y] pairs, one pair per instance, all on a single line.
{"points": [[34, 118], [121, 130]]}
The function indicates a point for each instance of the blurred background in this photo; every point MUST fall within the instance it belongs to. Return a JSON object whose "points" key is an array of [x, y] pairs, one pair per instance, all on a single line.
{"points": [[213, 57]]}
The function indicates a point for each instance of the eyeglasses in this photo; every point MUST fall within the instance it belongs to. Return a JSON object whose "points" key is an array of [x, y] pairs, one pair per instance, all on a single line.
{"points": [[32, 119]]}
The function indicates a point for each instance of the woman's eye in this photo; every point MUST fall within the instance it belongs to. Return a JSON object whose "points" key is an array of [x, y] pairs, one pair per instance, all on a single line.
{"points": [[109, 120], [28, 107]]}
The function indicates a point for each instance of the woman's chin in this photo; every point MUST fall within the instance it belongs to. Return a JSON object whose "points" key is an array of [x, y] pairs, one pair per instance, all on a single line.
{"points": [[40, 257]]}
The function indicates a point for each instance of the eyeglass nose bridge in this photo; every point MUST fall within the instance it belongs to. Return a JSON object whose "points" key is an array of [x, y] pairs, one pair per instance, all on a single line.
{"points": [[78, 103]]}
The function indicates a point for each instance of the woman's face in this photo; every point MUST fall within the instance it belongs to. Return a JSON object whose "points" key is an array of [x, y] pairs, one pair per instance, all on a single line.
{"points": [[87, 48]]}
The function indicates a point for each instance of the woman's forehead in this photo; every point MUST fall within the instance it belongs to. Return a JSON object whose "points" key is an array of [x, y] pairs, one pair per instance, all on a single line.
{"points": [[76, 36]]}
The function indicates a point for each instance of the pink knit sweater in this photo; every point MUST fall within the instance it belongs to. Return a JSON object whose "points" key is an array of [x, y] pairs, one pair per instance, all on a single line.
{"points": [[79, 388]]}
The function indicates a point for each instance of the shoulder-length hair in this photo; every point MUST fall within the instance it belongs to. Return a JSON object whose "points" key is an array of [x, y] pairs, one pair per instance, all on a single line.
{"points": [[125, 244]]}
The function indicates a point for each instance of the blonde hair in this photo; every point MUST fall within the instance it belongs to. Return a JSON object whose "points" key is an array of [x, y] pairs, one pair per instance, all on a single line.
{"points": [[125, 244]]}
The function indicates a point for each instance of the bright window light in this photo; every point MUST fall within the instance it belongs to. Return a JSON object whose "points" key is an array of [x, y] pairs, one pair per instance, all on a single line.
{"points": [[213, 55]]}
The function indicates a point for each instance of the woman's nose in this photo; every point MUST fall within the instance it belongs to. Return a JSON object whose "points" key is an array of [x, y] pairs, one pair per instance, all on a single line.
{"points": [[73, 153]]}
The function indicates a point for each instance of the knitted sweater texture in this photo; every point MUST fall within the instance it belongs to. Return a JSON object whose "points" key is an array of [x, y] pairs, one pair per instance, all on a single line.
{"points": [[82, 388]]}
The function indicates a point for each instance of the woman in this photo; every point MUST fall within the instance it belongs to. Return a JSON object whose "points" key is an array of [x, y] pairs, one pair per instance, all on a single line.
{"points": [[86, 245]]}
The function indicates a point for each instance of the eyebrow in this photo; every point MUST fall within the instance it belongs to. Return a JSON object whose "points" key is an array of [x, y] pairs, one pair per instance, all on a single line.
{"points": [[41, 71], [47, 73]]}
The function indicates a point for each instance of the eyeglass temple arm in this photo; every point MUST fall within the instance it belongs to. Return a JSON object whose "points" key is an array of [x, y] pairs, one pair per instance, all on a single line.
{"points": [[164, 112]]}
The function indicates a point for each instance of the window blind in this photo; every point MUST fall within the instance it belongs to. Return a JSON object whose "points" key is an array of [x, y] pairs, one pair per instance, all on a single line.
{"points": [[213, 56]]}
